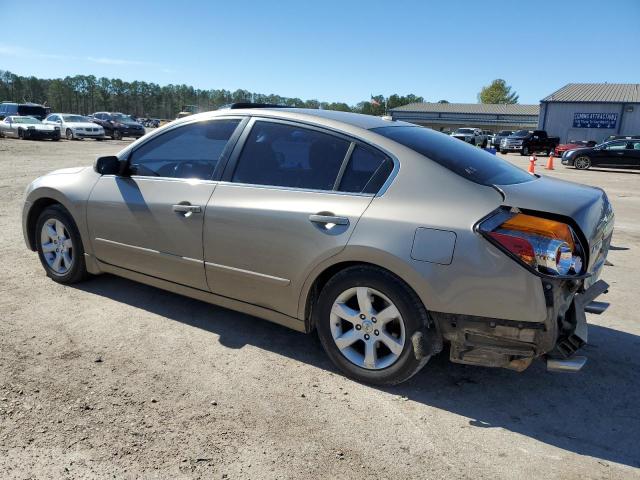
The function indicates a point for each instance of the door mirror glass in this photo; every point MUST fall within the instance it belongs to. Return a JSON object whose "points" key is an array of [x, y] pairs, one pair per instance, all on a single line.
{"points": [[109, 165]]}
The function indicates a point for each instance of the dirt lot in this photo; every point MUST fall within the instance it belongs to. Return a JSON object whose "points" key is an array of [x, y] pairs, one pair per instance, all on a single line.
{"points": [[114, 379]]}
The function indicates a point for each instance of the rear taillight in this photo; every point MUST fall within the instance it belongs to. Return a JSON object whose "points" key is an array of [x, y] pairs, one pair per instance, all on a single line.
{"points": [[547, 246]]}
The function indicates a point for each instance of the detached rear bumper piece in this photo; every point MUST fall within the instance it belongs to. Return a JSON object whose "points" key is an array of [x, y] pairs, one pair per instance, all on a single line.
{"points": [[493, 342]]}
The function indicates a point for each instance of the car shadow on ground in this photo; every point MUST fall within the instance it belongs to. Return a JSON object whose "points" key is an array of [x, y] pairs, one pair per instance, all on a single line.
{"points": [[595, 412]]}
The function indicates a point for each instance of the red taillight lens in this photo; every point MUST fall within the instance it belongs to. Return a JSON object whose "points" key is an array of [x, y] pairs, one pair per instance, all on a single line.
{"points": [[518, 246], [546, 245]]}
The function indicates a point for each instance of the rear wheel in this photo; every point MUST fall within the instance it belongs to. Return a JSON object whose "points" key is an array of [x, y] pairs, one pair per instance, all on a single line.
{"points": [[367, 321], [59, 246], [116, 135], [582, 163]]}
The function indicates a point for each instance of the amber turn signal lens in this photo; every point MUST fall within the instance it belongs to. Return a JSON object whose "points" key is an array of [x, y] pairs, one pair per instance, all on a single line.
{"points": [[540, 226]]}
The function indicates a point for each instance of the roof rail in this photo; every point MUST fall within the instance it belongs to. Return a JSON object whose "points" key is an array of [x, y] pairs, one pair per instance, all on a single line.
{"points": [[237, 105]]}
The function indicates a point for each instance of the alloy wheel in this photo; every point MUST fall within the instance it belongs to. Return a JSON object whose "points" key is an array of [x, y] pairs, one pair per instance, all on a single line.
{"points": [[367, 328], [69, 134], [582, 163], [57, 246]]}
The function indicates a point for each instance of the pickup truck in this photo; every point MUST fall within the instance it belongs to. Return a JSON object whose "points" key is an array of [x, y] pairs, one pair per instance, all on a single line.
{"points": [[526, 142], [474, 136]]}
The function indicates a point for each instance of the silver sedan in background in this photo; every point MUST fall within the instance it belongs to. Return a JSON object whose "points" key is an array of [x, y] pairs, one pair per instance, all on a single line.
{"points": [[386, 238], [75, 127]]}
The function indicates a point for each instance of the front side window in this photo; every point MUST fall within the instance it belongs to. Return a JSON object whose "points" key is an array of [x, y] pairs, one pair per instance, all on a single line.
{"points": [[190, 151], [290, 156], [617, 146], [366, 171]]}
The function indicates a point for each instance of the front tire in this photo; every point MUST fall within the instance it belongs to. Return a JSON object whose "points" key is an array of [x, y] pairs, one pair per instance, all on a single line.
{"points": [[59, 246], [69, 134], [368, 321], [21, 135]]}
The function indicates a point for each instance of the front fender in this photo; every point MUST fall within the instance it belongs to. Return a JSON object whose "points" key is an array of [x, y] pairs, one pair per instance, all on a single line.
{"points": [[68, 187]]}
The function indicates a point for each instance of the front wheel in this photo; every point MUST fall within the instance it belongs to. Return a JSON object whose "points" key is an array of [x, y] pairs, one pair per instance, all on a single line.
{"points": [[504, 152], [369, 323], [59, 246], [21, 135], [582, 163], [69, 134]]}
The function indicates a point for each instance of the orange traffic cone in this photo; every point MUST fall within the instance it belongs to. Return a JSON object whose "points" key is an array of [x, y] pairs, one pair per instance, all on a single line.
{"points": [[550, 162], [532, 164]]}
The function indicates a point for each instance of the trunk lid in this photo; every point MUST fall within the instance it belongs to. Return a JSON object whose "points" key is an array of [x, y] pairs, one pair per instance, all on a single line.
{"points": [[588, 206]]}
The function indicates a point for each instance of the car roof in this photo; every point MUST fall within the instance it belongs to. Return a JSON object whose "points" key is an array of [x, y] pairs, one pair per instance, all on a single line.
{"points": [[358, 120]]}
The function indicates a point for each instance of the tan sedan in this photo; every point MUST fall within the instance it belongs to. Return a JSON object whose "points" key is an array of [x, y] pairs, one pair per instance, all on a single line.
{"points": [[387, 238]]}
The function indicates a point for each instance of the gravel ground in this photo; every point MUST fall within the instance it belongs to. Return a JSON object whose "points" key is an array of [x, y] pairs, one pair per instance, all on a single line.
{"points": [[114, 379]]}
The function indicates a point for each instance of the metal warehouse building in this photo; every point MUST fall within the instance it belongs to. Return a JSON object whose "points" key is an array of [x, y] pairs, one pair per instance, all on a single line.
{"points": [[449, 116], [591, 111]]}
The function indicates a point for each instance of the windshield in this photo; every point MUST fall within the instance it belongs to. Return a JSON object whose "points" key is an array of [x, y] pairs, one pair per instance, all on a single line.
{"points": [[464, 130], [32, 110], [25, 120], [504, 133], [120, 117], [75, 119], [520, 133], [461, 158]]}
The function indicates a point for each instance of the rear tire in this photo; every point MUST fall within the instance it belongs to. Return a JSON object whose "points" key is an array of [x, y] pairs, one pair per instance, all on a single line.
{"points": [[59, 246], [378, 351], [116, 135]]}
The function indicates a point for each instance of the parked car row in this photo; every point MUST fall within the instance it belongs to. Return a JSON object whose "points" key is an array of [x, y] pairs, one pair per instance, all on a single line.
{"points": [[30, 120]]}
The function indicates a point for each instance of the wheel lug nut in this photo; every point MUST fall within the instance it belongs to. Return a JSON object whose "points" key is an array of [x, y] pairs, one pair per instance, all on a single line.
{"points": [[358, 327], [374, 319], [376, 332], [366, 336], [362, 316]]}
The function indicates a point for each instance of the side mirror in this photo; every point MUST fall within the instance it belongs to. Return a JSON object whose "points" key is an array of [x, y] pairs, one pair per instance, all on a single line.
{"points": [[108, 165]]}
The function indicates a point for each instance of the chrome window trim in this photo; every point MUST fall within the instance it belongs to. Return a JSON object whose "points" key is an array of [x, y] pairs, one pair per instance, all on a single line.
{"points": [[294, 189]]}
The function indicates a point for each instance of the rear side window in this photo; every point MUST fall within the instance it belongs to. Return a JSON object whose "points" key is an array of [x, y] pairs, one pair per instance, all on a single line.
{"points": [[366, 171], [461, 158], [290, 156], [190, 151]]}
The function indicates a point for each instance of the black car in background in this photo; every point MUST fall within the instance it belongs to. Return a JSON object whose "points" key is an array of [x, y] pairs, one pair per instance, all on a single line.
{"points": [[24, 110], [497, 138], [117, 125], [617, 153]]}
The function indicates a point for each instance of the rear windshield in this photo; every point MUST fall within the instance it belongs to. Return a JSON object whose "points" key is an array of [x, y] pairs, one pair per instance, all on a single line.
{"points": [[32, 110], [467, 161]]}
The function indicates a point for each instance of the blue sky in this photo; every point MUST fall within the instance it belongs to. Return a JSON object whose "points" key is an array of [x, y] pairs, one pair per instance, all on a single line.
{"points": [[330, 50]]}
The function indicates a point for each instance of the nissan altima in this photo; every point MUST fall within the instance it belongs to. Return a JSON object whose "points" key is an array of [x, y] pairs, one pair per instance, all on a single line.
{"points": [[388, 239]]}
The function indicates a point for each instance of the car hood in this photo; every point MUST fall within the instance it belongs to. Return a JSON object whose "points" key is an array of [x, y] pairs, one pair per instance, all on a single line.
{"points": [[37, 126], [66, 171], [587, 206], [81, 125]]}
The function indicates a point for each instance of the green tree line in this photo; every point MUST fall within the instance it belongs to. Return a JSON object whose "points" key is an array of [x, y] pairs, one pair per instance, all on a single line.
{"points": [[86, 94]]}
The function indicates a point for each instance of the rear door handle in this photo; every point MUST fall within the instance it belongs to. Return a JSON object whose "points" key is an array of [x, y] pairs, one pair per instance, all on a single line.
{"points": [[326, 219], [186, 209]]}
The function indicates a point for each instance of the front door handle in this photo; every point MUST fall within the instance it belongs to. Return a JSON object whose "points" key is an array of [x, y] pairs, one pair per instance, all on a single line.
{"points": [[327, 219], [187, 209]]}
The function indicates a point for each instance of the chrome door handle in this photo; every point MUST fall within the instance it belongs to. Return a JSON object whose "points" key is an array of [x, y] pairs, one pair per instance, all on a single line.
{"points": [[326, 219], [187, 209]]}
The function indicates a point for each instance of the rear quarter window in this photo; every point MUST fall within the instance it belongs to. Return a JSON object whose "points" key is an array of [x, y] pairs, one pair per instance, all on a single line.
{"points": [[465, 160]]}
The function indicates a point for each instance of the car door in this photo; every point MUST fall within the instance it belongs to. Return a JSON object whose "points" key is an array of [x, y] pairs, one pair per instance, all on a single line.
{"points": [[634, 154], [277, 213], [613, 153], [150, 221]]}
